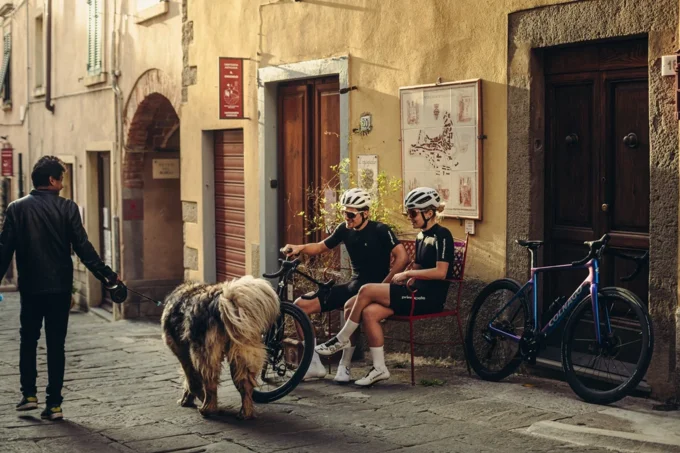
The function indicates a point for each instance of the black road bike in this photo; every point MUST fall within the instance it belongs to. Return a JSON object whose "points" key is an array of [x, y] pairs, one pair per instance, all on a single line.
{"points": [[290, 340]]}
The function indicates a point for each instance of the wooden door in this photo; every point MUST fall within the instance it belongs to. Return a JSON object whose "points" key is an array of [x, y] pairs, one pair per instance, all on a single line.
{"points": [[308, 145], [230, 214], [595, 182]]}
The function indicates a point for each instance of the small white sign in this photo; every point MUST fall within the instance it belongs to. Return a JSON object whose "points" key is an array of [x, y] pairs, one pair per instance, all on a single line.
{"points": [[166, 169], [105, 217], [290, 292], [368, 172], [470, 227]]}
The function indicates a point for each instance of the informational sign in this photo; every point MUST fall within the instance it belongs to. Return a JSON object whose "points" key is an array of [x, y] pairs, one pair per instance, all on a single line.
{"points": [[165, 168], [8, 162], [441, 141], [231, 88]]}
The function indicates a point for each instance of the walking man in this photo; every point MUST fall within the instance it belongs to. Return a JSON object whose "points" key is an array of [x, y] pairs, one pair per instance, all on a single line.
{"points": [[41, 228]]}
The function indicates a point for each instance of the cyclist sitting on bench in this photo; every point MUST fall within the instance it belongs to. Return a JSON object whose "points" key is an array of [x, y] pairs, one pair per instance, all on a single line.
{"points": [[369, 245], [375, 302]]}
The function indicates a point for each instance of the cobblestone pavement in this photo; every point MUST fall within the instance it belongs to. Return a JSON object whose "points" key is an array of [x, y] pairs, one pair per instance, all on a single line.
{"points": [[122, 385]]}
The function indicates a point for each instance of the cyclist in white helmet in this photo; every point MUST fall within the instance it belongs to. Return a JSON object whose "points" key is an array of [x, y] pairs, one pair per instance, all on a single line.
{"points": [[370, 246], [375, 302]]}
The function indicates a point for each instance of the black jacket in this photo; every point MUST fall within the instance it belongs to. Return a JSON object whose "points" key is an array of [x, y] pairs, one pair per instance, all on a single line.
{"points": [[41, 227]]}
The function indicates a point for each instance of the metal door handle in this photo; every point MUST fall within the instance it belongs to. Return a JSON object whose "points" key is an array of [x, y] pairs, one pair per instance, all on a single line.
{"points": [[572, 139], [605, 207], [631, 140]]}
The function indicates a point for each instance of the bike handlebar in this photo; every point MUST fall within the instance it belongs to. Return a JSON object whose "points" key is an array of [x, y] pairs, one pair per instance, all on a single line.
{"points": [[596, 248], [285, 266], [638, 260], [291, 266]]}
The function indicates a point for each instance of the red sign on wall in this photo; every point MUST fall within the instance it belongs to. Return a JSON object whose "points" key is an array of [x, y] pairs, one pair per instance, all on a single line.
{"points": [[7, 162], [231, 88]]}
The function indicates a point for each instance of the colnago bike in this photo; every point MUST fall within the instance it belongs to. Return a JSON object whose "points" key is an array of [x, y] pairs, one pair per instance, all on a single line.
{"points": [[607, 341], [281, 374]]}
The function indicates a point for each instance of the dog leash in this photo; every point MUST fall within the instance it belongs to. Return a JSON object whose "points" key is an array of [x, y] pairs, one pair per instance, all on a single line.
{"points": [[157, 302]]}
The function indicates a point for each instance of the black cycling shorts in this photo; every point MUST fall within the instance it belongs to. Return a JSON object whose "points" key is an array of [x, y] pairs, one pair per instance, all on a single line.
{"points": [[336, 298], [427, 302]]}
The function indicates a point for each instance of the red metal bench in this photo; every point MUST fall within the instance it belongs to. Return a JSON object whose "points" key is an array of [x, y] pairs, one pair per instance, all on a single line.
{"points": [[459, 258]]}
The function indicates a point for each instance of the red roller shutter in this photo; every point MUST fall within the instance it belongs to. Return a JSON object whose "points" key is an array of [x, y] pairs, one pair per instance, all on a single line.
{"points": [[230, 216]]}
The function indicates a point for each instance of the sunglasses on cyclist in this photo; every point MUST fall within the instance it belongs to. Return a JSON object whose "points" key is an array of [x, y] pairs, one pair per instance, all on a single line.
{"points": [[412, 213], [350, 215]]}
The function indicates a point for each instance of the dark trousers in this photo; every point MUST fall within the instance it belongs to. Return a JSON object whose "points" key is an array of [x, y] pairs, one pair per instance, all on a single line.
{"points": [[54, 308]]}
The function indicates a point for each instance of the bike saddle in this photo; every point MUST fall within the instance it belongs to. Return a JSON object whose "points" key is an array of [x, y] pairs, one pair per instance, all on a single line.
{"points": [[533, 245]]}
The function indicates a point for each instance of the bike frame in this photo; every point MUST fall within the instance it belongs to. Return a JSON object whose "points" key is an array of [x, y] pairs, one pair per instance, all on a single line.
{"points": [[591, 283]]}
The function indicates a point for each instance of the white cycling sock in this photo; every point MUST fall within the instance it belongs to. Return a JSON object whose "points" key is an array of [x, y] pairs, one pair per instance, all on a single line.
{"points": [[346, 359], [315, 356], [347, 331], [378, 356]]}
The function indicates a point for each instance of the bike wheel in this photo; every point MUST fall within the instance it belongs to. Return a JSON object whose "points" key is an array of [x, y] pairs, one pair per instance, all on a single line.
{"points": [[493, 356], [605, 373], [281, 372]]}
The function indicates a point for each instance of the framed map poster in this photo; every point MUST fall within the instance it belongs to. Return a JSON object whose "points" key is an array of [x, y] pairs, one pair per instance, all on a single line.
{"points": [[441, 143]]}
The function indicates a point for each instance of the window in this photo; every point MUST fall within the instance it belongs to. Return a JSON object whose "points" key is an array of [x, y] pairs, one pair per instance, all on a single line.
{"points": [[5, 71], [67, 191], [94, 37], [39, 66]]}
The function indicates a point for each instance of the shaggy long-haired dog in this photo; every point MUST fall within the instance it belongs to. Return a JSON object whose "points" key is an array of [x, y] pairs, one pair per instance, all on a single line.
{"points": [[204, 324]]}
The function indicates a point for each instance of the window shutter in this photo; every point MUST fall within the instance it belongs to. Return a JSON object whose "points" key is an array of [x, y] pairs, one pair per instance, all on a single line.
{"points": [[94, 39], [7, 52]]}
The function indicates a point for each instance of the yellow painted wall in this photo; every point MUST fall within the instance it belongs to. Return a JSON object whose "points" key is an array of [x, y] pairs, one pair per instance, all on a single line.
{"points": [[391, 43]]}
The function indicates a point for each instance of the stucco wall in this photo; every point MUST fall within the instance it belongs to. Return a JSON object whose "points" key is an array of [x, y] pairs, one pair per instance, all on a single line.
{"points": [[84, 117], [390, 44]]}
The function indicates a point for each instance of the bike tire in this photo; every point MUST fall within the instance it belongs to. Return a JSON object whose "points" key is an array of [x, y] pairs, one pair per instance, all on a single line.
{"points": [[302, 319], [647, 344], [473, 358]]}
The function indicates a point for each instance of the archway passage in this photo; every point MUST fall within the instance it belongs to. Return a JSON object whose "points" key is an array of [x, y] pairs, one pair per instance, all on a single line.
{"points": [[152, 251]]}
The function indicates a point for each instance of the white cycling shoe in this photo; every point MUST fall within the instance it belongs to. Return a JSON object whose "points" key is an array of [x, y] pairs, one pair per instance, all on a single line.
{"points": [[372, 377], [343, 375], [332, 346]]}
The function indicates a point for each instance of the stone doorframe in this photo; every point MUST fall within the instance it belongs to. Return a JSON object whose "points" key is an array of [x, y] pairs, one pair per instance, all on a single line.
{"points": [[267, 81], [573, 23]]}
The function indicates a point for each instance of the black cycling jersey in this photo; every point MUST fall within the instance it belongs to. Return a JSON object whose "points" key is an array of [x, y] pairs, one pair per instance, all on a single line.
{"points": [[369, 249]]}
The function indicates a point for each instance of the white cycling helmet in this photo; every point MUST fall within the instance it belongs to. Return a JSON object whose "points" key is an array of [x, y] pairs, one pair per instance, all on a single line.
{"points": [[356, 198], [421, 198]]}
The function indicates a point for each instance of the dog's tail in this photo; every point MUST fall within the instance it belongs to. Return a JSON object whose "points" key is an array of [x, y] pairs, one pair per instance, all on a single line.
{"points": [[248, 307]]}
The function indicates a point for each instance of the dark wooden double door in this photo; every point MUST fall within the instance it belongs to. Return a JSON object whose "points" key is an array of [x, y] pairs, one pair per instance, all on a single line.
{"points": [[308, 146], [597, 160]]}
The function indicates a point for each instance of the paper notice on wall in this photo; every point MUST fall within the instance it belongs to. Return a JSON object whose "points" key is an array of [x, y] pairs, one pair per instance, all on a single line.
{"points": [[367, 170]]}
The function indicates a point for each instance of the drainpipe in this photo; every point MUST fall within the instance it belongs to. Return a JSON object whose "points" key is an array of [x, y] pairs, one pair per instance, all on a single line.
{"points": [[48, 70], [28, 98], [117, 154]]}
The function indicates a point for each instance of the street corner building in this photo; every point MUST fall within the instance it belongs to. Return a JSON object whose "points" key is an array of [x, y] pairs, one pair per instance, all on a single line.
{"points": [[194, 129]]}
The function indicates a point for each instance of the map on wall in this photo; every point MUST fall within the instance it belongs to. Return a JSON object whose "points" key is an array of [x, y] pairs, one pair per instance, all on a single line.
{"points": [[440, 126]]}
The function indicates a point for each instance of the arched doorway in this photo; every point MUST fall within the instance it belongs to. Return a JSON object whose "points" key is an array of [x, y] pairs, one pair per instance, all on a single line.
{"points": [[152, 244]]}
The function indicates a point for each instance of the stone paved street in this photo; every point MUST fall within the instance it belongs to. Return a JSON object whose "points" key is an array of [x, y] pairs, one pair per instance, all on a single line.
{"points": [[122, 385]]}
